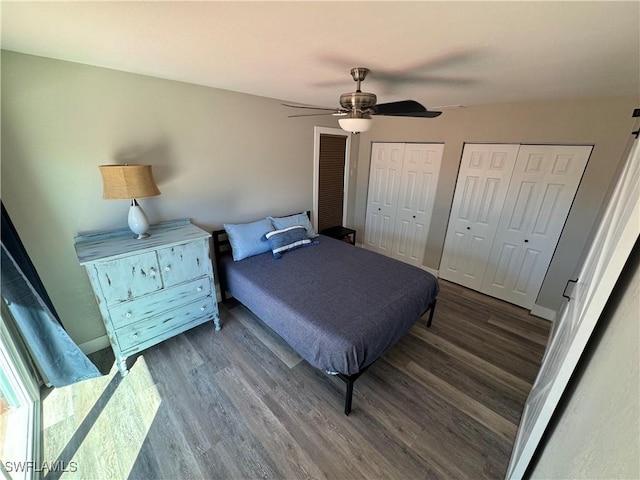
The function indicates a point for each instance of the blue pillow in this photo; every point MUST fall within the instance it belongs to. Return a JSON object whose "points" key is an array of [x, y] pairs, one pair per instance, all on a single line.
{"points": [[298, 219], [287, 239], [245, 238]]}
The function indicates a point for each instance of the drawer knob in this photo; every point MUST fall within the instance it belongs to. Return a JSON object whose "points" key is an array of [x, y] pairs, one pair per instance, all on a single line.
{"points": [[152, 272], [199, 289], [128, 314], [203, 308], [167, 268], [135, 335]]}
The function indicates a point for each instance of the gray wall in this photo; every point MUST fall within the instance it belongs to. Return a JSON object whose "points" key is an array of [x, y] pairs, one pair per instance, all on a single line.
{"points": [[220, 156], [603, 122], [217, 156]]}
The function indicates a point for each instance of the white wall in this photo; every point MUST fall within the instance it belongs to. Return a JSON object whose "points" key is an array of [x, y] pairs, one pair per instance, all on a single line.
{"points": [[598, 432], [603, 122], [217, 156]]}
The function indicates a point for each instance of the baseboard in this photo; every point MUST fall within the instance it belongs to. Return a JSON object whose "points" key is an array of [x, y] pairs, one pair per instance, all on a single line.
{"points": [[95, 345], [544, 312]]}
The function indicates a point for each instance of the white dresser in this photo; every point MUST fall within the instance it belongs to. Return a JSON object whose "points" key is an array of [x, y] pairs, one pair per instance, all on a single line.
{"points": [[152, 289]]}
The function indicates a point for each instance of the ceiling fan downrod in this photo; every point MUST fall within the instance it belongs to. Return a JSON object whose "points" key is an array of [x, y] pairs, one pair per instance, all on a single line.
{"points": [[359, 74]]}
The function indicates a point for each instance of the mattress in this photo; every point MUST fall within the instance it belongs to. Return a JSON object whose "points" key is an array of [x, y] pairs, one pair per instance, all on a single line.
{"points": [[338, 306]]}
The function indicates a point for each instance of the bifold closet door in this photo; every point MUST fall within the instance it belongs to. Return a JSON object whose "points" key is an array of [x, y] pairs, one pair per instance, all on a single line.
{"points": [[382, 199], [510, 205], [420, 171], [481, 189], [402, 186], [541, 191]]}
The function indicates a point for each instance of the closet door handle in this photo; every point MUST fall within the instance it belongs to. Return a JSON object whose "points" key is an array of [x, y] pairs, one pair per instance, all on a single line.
{"points": [[564, 292], [468, 228]]}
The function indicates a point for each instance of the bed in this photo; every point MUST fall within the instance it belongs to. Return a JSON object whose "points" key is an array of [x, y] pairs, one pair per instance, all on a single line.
{"points": [[340, 307]]}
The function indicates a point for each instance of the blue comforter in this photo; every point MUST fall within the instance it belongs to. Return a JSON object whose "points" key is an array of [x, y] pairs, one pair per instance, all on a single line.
{"points": [[339, 307]]}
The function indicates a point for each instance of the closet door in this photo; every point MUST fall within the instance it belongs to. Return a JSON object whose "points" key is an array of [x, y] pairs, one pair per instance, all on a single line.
{"points": [[331, 181], [382, 200], [543, 185], [419, 179], [483, 182]]}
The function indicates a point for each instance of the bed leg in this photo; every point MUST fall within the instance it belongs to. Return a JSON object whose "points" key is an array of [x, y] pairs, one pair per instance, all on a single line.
{"points": [[432, 308], [349, 395], [350, 380]]}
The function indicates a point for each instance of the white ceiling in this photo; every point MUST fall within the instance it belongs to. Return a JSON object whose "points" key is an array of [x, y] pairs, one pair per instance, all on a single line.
{"points": [[438, 53]]}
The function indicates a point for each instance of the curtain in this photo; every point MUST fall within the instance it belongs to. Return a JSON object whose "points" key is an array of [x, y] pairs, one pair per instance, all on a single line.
{"points": [[58, 358]]}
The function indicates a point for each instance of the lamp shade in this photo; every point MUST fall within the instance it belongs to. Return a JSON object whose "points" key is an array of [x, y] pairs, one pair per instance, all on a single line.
{"points": [[355, 125], [127, 181]]}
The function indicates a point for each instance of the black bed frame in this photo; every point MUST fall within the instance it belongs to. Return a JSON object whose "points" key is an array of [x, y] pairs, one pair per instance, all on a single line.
{"points": [[221, 245]]}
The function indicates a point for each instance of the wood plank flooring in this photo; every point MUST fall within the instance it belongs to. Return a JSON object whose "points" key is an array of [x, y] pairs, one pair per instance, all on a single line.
{"points": [[239, 403]]}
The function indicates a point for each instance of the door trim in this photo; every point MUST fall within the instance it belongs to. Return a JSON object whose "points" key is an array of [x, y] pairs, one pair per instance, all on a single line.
{"points": [[317, 131]]}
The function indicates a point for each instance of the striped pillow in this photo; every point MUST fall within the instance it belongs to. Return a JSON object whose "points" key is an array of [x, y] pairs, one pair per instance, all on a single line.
{"points": [[287, 239]]}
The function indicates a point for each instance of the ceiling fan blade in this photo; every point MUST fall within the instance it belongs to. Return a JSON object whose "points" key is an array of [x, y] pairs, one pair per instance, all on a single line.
{"points": [[310, 107], [398, 108], [333, 112], [427, 114], [403, 108]]}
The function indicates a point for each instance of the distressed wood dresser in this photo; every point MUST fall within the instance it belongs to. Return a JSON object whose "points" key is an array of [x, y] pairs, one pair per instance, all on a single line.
{"points": [[152, 289]]}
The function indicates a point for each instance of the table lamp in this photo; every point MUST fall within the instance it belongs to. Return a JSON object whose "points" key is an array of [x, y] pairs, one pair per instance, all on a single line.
{"points": [[130, 182]]}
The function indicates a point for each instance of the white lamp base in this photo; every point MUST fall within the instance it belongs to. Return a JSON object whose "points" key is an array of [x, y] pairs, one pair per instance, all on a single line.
{"points": [[138, 221]]}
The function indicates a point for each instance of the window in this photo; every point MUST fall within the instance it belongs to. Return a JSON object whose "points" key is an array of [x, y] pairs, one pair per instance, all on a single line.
{"points": [[20, 424]]}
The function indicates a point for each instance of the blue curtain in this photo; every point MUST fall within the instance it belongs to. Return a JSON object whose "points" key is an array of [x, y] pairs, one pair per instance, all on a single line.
{"points": [[59, 359]]}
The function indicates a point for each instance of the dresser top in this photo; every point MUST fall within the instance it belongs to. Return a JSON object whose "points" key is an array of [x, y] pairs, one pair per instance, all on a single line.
{"points": [[100, 246]]}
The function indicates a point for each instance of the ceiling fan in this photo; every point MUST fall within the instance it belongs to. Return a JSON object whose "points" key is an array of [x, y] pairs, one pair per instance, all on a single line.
{"points": [[357, 107]]}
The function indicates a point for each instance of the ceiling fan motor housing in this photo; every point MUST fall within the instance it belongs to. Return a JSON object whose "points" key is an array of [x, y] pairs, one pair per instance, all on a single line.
{"points": [[357, 101]]}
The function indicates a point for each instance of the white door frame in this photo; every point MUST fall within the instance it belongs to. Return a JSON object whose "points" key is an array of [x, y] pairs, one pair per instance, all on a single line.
{"points": [[317, 131]]}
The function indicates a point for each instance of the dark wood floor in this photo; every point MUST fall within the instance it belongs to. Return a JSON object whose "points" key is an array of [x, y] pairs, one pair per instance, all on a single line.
{"points": [[239, 403]]}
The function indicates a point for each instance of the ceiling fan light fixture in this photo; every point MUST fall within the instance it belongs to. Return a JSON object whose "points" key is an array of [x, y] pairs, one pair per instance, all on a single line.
{"points": [[355, 125]]}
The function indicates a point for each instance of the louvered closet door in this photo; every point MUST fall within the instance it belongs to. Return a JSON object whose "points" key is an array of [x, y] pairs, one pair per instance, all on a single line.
{"points": [[541, 191], [331, 165], [481, 189], [382, 201], [420, 170]]}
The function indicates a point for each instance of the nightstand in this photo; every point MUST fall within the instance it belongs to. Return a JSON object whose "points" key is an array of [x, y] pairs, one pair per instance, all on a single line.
{"points": [[152, 289], [340, 233]]}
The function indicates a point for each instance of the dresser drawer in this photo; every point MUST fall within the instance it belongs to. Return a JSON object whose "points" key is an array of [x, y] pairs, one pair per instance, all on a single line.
{"points": [[127, 278], [132, 338], [151, 305], [181, 263]]}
